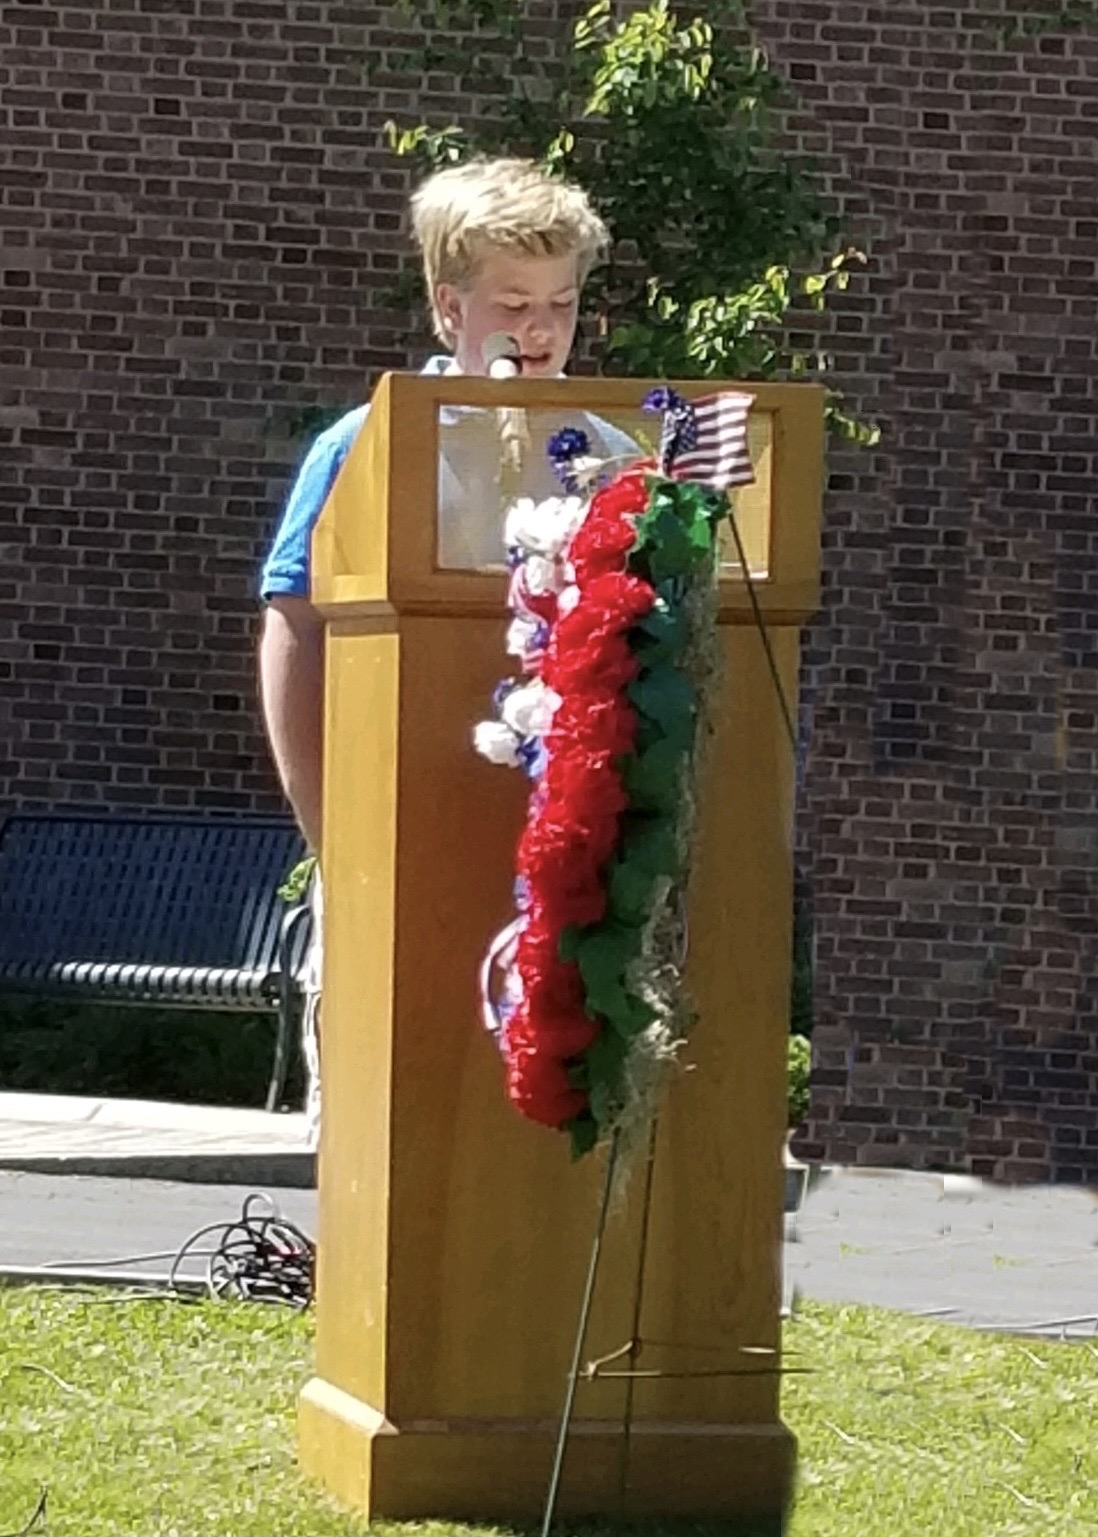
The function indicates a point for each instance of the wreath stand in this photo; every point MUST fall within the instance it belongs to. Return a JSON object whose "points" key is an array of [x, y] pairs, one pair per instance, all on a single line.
{"points": [[455, 1238]]}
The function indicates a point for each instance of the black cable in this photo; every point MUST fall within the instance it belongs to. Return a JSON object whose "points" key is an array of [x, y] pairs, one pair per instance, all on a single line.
{"points": [[257, 1258], [760, 625]]}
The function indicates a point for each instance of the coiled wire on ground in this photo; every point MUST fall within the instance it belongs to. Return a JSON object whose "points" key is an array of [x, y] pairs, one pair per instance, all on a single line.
{"points": [[260, 1257]]}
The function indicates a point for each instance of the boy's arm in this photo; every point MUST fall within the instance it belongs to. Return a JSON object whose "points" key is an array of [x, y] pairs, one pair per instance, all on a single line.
{"points": [[291, 683]]}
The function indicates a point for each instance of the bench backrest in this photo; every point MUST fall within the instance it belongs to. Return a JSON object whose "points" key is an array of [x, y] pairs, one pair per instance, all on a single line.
{"points": [[155, 890]]}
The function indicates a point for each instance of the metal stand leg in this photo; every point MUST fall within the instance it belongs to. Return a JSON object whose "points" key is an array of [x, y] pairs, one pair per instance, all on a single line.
{"points": [[581, 1337]]}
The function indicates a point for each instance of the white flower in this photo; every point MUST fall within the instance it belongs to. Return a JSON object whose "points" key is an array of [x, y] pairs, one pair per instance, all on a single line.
{"points": [[497, 742], [569, 597], [520, 526], [541, 574], [542, 528], [529, 711], [523, 634], [571, 511], [585, 469]]}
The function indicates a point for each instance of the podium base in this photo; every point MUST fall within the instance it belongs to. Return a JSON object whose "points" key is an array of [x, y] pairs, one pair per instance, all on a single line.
{"points": [[498, 1470]]}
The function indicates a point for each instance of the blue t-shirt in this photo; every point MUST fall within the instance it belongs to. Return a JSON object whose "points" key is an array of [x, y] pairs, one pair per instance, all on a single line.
{"points": [[286, 569]]}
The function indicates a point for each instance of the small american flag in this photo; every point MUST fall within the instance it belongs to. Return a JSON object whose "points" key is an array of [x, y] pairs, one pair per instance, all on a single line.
{"points": [[704, 440], [711, 445]]}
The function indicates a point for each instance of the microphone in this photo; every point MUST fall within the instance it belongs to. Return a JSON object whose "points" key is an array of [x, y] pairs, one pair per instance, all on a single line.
{"points": [[502, 358]]}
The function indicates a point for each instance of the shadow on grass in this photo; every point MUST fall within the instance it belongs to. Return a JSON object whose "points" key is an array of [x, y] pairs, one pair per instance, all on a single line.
{"points": [[656, 1528]]}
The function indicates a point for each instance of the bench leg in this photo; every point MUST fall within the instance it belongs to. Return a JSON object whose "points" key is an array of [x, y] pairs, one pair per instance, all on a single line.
{"points": [[287, 1016], [289, 1004]]}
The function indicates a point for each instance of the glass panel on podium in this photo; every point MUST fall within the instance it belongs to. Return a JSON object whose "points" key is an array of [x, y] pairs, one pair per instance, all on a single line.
{"points": [[488, 458]]}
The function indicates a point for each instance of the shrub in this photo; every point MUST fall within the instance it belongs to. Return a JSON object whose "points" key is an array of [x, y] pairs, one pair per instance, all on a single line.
{"points": [[800, 1066], [132, 1052]]}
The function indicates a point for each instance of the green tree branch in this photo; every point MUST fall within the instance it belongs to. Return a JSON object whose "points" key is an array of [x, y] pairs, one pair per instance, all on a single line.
{"points": [[719, 235]]}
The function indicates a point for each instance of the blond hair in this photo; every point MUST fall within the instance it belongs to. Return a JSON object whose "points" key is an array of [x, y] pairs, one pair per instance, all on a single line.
{"points": [[509, 204]]}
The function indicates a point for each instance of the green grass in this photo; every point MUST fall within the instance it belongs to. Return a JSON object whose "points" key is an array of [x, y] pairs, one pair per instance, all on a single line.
{"points": [[910, 1428], [144, 1418]]}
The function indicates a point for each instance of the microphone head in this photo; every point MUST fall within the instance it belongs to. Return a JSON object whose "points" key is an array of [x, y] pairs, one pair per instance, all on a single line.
{"points": [[501, 355]]}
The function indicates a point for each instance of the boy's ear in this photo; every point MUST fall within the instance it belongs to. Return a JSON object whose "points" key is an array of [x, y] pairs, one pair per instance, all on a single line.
{"points": [[448, 301]]}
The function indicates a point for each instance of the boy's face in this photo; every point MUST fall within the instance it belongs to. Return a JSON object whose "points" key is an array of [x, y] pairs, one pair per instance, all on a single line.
{"points": [[535, 299]]}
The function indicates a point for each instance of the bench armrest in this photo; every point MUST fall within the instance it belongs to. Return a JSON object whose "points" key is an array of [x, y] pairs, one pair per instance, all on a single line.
{"points": [[298, 915], [301, 913]]}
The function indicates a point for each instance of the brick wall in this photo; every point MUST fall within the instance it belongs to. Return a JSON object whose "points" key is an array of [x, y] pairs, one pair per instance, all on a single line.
{"points": [[200, 232], [949, 827], [199, 229]]}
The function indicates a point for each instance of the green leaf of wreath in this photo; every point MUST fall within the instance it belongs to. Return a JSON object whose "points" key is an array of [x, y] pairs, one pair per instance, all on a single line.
{"points": [[578, 1075], [651, 843], [604, 950], [668, 697], [630, 889], [569, 942], [605, 1058], [605, 1061], [701, 509], [653, 781], [670, 551], [633, 1016], [603, 1099], [604, 954], [658, 637], [583, 1133], [701, 531]]}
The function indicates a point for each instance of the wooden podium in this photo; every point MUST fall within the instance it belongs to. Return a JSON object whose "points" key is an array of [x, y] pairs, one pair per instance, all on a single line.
{"points": [[453, 1235]]}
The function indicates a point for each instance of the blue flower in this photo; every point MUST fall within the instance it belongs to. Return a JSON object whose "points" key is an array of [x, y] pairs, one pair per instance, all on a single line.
{"points": [[532, 756], [564, 446], [501, 691], [680, 423], [568, 443]]}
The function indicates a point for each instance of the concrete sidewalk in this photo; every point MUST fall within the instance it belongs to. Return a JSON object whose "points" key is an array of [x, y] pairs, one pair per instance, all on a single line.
{"points": [[128, 1230], [943, 1246], [143, 1139], [951, 1248]]}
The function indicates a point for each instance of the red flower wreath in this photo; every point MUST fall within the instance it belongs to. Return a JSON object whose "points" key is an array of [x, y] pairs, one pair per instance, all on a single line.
{"points": [[572, 829], [580, 593]]}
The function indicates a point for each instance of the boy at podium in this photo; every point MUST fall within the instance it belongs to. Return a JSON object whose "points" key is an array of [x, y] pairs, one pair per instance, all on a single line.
{"points": [[505, 249]]}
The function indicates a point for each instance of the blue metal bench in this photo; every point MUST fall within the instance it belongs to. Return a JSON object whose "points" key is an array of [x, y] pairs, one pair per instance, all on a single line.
{"points": [[165, 910]]}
